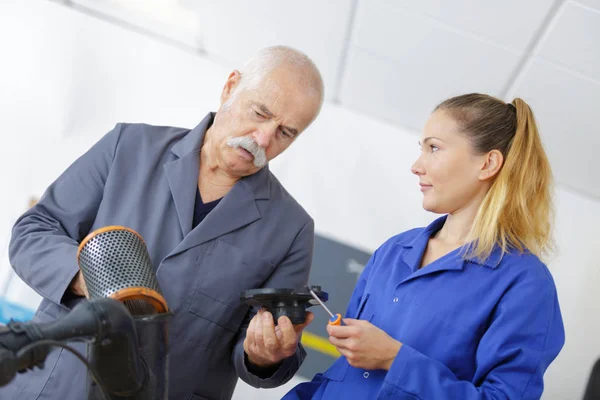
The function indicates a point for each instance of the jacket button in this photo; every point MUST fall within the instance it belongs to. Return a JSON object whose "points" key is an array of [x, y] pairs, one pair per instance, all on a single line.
{"points": [[366, 375], [395, 299]]}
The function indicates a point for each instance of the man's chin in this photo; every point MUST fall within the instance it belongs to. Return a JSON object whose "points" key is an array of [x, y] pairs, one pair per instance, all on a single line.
{"points": [[245, 169]]}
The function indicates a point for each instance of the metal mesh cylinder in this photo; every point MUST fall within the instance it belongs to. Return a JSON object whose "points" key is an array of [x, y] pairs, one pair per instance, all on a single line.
{"points": [[115, 263]]}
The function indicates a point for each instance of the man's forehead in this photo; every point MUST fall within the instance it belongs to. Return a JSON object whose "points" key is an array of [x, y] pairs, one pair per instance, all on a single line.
{"points": [[293, 106]]}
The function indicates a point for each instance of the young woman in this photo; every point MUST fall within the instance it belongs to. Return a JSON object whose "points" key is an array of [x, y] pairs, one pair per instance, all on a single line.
{"points": [[464, 308]]}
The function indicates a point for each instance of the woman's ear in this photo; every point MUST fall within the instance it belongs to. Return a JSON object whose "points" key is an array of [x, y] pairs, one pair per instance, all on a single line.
{"points": [[492, 164]]}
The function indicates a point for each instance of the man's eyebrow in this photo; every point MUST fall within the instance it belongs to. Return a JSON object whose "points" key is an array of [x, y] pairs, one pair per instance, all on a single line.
{"points": [[265, 110], [269, 114]]}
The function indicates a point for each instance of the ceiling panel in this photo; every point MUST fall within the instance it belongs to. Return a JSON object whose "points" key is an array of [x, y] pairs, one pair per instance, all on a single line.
{"points": [[566, 107], [234, 30], [230, 31], [595, 4], [510, 23], [574, 40], [175, 20], [402, 64]]}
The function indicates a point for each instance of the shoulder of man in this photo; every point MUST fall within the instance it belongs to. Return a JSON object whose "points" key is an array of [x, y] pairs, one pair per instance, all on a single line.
{"points": [[144, 141], [140, 131]]}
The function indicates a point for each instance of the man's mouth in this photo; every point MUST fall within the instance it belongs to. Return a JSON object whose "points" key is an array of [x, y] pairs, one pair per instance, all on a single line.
{"points": [[249, 150], [246, 154]]}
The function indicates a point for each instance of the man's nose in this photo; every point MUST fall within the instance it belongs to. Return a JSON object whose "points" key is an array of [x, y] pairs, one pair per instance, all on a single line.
{"points": [[264, 135]]}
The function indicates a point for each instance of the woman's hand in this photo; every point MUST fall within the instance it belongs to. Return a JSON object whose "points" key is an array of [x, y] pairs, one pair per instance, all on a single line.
{"points": [[363, 344]]}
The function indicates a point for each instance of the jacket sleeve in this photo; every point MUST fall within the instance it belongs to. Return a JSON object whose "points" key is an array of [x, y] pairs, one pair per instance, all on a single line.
{"points": [[292, 272], [44, 242], [525, 334]]}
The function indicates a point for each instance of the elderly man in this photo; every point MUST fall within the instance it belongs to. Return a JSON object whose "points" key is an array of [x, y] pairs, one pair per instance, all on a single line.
{"points": [[215, 220]]}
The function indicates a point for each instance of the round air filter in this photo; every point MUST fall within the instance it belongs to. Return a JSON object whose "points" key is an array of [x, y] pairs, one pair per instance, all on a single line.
{"points": [[115, 263]]}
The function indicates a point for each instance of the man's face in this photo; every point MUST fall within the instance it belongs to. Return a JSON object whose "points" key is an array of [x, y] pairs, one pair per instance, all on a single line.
{"points": [[259, 123]]}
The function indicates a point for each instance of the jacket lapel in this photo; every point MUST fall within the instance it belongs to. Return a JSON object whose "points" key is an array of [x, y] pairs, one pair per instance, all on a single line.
{"points": [[182, 173], [236, 210], [183, 183]]}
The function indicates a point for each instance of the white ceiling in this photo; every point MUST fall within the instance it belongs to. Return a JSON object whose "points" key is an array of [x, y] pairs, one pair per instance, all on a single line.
{"points": [[395, 60]]}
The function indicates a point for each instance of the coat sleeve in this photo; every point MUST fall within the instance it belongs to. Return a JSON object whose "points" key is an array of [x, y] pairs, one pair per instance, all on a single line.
{"points": [[525, 334], [292, 272], [44, 241]]}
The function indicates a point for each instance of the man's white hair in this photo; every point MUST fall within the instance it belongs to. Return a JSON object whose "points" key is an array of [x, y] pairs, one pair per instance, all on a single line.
{"points": [[266, 60]]}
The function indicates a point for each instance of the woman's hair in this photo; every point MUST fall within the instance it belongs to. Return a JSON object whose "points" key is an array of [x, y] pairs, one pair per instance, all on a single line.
{"points": [[516, 212]]}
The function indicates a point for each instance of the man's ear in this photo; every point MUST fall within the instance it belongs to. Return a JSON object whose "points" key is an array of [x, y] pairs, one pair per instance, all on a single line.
{"points": [[230, 84]]}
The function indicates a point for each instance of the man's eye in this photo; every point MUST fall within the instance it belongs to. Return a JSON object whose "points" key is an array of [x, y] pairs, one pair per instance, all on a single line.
{"points": [[286, 134]]}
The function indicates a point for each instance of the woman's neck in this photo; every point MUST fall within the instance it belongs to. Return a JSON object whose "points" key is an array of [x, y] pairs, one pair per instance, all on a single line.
{"points": [[458, 224]]}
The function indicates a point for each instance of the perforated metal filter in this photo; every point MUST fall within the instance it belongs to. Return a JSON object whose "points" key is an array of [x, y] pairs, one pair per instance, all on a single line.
{"points": [[115, 263]]}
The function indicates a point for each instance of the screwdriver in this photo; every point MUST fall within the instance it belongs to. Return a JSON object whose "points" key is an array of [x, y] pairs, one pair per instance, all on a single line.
{"points": [[335, 319]]}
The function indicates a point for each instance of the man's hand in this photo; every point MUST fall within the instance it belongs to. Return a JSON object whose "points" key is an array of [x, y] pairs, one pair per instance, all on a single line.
{"points": [[78, 287], [266, 344], [363, 344]]}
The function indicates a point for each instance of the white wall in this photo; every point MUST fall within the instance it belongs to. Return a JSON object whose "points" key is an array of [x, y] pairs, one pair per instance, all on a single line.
{"points": [[68, 78]]}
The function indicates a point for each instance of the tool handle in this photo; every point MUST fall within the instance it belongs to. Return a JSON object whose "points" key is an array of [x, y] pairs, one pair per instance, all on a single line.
{"points": [[336, 320]]}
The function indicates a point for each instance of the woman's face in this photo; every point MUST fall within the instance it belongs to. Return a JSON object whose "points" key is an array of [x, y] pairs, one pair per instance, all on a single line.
{"points": [[449, 170]]}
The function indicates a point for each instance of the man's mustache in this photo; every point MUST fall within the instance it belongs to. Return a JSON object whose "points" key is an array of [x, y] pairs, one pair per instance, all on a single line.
{"points": [[250, 145]]}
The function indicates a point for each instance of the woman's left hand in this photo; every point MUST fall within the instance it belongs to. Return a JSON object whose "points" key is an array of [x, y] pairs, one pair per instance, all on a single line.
{"points": [[363, 344]]}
